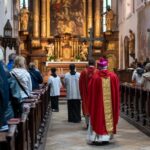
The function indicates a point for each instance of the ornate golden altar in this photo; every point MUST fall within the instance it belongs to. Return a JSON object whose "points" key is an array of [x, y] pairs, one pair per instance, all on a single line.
{"points": [[65, 47]]}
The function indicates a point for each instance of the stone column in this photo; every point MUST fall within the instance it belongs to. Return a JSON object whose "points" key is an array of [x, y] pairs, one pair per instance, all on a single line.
{"points": [[48, 18], [85, 21], [61, 55], [43, 18], [35, 18], [97, 19], [57, 49], [90, 14]]}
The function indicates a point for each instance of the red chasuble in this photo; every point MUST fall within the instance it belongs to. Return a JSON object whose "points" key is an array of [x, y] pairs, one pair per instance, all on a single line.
{"points": [[85, 77], [104, 102]]}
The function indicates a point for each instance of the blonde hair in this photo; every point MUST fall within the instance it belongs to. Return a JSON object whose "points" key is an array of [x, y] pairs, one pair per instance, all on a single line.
{"points": [[20, 62]]}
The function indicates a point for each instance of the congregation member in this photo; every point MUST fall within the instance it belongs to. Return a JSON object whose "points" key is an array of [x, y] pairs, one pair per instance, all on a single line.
{"points": [[146, 77], [11, 58], [146, 62], [137, 75], [36, 76], [104, 104], [71, 83], [6, 111], [55, 86], [85, 77], [22, 76]]}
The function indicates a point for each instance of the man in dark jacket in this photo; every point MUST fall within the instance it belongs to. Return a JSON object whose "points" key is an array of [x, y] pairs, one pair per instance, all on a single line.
{"points": [[36, 76]]}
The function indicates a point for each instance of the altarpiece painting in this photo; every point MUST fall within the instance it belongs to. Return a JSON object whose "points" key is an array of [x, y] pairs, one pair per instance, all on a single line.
{"points": [[66, 17]]}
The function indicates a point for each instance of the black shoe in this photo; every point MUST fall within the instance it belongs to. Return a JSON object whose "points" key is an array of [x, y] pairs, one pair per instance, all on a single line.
{"points": [[105, 142], [100, 143]]}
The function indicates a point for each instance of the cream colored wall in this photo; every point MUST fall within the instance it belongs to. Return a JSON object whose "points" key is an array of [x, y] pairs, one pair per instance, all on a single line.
{"points": [[127, 20], [138, 21], [6, 12], [143, 34]]}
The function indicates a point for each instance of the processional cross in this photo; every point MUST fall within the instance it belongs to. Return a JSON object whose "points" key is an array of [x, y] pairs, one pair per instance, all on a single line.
{"points": [[91, 39]]}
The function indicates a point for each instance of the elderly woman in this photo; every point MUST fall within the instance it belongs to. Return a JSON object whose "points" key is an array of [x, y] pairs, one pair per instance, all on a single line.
{"points": [[146, 77], [22, 76], [137, 75]]}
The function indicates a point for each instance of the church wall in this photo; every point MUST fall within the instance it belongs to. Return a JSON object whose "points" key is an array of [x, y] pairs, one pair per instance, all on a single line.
{"points": [[127, 20], [144, 33], [134, 16], [6, 12], [115, 10]]}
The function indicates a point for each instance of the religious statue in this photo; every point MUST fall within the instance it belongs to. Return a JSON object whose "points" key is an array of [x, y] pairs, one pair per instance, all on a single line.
{"points": [[24, 19], [84, 51], [66, 6], [109, 18], [131, 44], [50, 51]]}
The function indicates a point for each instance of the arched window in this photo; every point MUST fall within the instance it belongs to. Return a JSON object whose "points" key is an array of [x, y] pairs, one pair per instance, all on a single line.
{"points": [[105, 4], [21, 3]]}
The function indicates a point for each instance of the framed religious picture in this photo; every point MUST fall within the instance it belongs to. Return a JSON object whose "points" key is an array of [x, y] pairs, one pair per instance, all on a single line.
{"points": [[67, 17]]}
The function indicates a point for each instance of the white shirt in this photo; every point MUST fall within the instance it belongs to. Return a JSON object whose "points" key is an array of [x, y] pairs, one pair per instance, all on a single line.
{"points": [[71, 83], [55, 85], [146, 80], [137, 78]]}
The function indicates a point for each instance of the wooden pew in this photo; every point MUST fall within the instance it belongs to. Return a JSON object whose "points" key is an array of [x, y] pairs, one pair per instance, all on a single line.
{"points": [[30, 127], [135, 106], [147, 111], [8, 139]]}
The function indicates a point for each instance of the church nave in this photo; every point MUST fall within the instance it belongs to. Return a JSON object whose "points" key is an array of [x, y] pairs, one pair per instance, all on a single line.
{"points": [[71, 136]]}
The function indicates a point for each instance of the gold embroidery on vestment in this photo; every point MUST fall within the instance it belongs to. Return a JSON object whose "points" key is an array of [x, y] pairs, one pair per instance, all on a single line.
{"points": [[107, 104]]}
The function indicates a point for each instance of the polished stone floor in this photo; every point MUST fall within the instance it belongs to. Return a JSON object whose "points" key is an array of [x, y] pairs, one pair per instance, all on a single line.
{"points": [[69, 136]]}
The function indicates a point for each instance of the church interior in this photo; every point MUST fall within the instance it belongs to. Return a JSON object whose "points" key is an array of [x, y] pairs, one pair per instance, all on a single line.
{"points": [[58, 33]]}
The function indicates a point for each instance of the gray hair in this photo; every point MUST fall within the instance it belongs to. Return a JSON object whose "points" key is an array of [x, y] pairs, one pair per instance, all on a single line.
{"points": [[32, 65], [12, 56], [147, 67], [20, 62]]}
